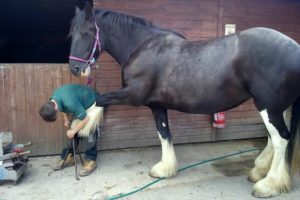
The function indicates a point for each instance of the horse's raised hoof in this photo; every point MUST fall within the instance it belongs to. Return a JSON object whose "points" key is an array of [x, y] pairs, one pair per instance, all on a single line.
{"points": [[162, 170], [268, 187]]}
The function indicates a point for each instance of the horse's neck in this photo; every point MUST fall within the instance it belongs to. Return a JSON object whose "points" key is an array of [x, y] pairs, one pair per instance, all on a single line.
{"points": [[121, 45]]}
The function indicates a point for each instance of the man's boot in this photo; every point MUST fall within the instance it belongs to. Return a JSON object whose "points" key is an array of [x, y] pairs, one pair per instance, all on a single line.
{"points": [[68, 162], [88, 167]]}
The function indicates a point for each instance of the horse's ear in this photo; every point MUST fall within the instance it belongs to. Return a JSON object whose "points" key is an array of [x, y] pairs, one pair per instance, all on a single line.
{"points": [[88, 9], [77, 11]]}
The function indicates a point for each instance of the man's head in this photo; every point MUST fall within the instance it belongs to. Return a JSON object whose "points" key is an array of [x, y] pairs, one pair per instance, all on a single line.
{"points": [[48, 111]]}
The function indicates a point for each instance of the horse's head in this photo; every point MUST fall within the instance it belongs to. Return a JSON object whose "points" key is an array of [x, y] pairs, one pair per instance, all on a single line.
{"points": [[85, 46]]}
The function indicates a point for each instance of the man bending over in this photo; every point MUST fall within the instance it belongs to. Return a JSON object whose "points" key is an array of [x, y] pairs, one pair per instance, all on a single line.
{"points": [[77, 103]]}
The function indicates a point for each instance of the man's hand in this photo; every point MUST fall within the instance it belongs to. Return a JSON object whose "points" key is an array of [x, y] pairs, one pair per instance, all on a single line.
{"points": [[66, 120], [70, 133], [67, 123]]}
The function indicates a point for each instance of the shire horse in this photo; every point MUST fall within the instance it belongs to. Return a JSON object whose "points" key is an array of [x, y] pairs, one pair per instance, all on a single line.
{"points": [[162, 70]]}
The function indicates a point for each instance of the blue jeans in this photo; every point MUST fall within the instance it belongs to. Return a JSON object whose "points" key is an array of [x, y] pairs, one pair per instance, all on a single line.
{"points": [[91, 148]]}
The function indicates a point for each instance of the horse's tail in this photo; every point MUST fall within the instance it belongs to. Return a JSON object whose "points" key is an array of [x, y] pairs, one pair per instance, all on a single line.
{"points": [[294, 142]]}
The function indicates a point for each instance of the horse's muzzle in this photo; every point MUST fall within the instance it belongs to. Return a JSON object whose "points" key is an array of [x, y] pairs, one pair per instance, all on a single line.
{"points": [[86, 71], [75, 68]]}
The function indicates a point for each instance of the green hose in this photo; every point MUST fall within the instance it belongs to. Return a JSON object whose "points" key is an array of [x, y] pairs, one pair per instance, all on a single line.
{"points": [[180, 170]]}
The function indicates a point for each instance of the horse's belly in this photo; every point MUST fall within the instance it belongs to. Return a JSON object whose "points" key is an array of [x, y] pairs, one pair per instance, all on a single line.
{"points": [[201, 100], [205, 107]]}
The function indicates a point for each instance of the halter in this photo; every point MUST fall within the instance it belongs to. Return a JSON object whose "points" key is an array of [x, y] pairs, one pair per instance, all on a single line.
{"points": [[90, 62]]}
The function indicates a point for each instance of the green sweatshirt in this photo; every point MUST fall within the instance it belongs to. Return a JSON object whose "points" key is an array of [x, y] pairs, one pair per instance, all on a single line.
{"points": [[74, 99]]}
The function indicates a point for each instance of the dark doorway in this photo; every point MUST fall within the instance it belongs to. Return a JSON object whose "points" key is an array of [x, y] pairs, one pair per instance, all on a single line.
{"points": [[36, 31]]}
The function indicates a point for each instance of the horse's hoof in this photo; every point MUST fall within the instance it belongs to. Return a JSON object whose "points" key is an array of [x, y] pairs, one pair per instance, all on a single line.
{"points": [[161, 170], [269, 187], [152, 175], [258, 194], [263, 191], [251, 179], [255, 176], [254, 179]]}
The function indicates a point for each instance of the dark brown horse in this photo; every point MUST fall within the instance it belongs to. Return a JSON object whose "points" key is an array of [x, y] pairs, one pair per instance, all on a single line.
{"points": [[163, 70]]}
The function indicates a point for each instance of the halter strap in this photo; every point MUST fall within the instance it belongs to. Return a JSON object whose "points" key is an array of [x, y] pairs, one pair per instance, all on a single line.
{"points": [[91, 60]]}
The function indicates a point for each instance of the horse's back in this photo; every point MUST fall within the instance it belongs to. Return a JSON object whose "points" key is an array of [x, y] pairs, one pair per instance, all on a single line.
{"points": [[267, 34], [268, 64], [266, 48], [265, 41]]}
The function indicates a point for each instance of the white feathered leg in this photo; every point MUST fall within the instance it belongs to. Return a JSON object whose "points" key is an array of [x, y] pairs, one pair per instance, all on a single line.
{"points": [[262, 163], [278, 179], [167, 167]]}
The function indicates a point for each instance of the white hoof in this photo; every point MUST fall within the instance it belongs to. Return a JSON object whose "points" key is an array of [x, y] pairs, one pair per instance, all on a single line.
{"points": [[270, 187], [163, 170]]}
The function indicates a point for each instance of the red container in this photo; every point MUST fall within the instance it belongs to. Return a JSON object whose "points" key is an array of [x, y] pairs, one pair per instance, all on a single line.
{"points": [[219, 120]]}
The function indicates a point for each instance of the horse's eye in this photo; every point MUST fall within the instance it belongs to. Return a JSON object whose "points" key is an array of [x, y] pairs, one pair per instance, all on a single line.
{"points": [[84, 35]]}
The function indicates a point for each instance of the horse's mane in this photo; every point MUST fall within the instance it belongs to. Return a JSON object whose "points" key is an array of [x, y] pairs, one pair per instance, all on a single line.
{"points": [[128, 19], [133, 20], [78, 23]]}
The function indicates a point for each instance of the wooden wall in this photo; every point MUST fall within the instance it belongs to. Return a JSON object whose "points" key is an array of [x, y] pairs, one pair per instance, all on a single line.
{"points": [[25, 87], [282, 15]]}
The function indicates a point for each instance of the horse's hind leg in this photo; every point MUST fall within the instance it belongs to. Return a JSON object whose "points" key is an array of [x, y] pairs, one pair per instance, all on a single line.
{"points": [[168, 165], [262, 163], [264, 160], [277, 179]]}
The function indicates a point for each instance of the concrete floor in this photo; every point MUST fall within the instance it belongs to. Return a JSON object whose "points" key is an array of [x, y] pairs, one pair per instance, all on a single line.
{"points": [[122, 171]]}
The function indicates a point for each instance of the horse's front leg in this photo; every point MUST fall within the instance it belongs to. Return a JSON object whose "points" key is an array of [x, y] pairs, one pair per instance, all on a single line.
{"points": [[167, 167]]}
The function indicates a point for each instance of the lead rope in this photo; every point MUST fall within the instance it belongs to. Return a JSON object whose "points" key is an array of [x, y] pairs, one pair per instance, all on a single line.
{"points": [[89, 81]]}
